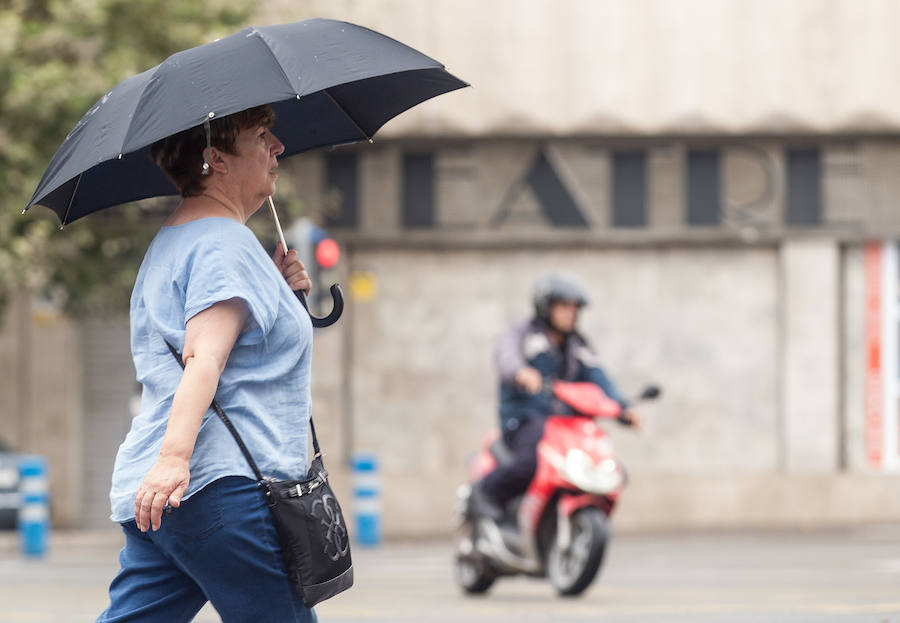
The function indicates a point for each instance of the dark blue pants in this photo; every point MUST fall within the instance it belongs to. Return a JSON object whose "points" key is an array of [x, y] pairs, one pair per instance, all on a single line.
{"points": [[511, 479], [220, 546]]}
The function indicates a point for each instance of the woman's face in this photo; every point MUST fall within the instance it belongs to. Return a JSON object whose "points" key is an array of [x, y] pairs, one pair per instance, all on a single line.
{"points": [[253, 167]]}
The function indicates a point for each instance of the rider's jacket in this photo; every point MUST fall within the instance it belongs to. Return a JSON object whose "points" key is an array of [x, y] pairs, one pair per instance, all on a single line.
{"points": [[527, 343]]}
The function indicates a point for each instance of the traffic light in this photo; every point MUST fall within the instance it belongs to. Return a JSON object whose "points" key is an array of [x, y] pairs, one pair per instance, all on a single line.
{"points": [[327, 253], [320, 253]]}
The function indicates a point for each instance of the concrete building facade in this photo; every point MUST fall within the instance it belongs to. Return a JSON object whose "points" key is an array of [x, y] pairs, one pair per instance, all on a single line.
{"points": [[756, 326], [721, 175]]}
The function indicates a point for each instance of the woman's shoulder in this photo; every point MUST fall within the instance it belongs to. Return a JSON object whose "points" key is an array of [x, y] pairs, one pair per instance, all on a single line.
{"points": [[212, 236], [214, 228], [206, 248]]}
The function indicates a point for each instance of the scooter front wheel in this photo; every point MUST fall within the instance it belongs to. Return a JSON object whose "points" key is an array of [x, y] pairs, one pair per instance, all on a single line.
{"points": [[571, 571]]}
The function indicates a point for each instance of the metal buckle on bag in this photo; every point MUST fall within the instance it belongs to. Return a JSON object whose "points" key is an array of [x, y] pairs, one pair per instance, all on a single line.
{"points": [[297, 491], [319, 481], [264, 483]]}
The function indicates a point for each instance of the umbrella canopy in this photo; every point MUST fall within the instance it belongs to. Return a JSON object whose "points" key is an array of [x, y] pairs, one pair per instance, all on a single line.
{"points": [[329, 82]]}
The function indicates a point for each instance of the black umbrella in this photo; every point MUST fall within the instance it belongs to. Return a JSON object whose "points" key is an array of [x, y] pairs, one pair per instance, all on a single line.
{"points": [[329, 82]]}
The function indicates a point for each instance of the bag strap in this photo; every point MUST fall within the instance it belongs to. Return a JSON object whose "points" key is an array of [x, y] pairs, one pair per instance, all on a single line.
{"points": [[231, 429]]}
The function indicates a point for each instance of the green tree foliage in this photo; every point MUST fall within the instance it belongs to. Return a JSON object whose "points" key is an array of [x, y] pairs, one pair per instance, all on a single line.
{"points": [[58, 57]]}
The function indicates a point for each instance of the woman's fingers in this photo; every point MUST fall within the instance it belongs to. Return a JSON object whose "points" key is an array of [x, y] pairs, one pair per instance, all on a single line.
{"points": [[175, 498], [149, 507], [138, 500], [292, 265], [166, 481], [292, 262], [299, 281], [284, 260], [278, 257], [293, 270], [156, 509], [144, 509]]}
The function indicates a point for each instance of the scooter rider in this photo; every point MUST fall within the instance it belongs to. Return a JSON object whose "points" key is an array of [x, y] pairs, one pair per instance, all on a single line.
{"points": [[528, 355]]}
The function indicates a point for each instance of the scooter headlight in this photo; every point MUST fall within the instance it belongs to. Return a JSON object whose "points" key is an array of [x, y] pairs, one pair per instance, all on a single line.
{"points": [[578, 465], [581, 471]]}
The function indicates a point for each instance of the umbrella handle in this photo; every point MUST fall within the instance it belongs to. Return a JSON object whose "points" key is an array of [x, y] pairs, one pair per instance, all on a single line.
{"points": [[337, 308]]}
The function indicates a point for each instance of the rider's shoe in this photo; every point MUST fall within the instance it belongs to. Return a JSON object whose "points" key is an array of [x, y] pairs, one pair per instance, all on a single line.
{"points": [[483, 504]]}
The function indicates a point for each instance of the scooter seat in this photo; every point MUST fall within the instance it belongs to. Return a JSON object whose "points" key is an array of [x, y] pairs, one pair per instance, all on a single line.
{"points": [[501, 451]]}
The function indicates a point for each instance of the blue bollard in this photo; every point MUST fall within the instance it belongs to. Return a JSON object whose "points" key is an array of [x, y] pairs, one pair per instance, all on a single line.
{"points": [[366, 499], [34, 512]]}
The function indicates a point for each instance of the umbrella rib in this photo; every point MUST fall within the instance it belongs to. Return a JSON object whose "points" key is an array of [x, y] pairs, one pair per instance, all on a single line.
{"points": [[268, 47], [137, 102], [346, 114], [71, 201], [275, 58]]}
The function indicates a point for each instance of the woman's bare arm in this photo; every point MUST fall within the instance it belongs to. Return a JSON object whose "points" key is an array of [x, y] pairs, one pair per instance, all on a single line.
{"points": [[209, 338]]}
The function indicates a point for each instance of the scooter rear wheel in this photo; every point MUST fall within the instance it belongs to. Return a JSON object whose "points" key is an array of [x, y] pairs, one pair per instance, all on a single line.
{"points": [[473, 573], [572, 571]]}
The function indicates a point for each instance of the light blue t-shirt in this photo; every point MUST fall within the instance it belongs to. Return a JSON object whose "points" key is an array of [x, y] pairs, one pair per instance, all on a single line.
{"points": [[265, 388]]}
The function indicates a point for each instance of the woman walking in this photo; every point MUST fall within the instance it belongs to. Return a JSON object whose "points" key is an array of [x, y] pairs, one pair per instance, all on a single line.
{"points": [[197, 527]]}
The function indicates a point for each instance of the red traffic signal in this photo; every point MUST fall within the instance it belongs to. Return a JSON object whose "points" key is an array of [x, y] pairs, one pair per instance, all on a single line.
{"points": [[328, 253]]}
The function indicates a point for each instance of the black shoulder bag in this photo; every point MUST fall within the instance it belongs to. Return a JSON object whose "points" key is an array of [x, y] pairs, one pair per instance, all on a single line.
{"points": [[311, 528]]}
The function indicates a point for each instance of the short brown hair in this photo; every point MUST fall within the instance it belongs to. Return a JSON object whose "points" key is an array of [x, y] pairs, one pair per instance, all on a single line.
{"points": [[180, 156]]}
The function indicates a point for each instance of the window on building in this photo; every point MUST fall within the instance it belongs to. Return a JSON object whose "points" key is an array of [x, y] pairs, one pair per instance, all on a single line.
{"points": [[342, 184], [703, 195], [629, 189], [418, 190], [803, 204]]}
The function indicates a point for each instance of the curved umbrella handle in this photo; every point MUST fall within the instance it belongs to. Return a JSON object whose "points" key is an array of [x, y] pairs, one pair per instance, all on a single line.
{"points": [[337, 299]]}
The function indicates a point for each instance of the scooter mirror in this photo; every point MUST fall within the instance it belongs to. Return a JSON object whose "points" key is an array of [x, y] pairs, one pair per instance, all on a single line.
{"points": [[650, 392]]}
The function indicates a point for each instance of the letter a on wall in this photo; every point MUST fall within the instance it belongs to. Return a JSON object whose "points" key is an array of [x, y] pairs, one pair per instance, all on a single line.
{"points": [[556, 202]]}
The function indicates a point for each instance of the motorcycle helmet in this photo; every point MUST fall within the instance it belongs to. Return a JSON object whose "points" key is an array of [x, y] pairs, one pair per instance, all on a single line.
{"points": [[554, 287]]}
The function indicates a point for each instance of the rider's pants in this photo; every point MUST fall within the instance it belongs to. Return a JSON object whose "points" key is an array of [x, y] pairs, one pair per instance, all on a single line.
{"points": [[511, 479]]}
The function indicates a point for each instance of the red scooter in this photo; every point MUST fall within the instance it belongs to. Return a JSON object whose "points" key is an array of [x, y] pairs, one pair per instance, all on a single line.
{"points": [[559, 528]]}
